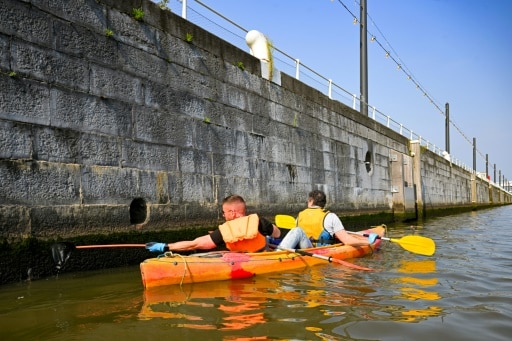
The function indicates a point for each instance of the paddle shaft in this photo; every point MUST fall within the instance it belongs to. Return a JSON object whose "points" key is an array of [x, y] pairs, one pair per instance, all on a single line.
{"points": [[62, 251], [415, 244], [326, 258], [108, 245], [366, 235]]}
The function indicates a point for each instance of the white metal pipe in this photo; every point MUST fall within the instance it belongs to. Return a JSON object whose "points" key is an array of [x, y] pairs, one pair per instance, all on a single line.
{"points": [[184, 9]]}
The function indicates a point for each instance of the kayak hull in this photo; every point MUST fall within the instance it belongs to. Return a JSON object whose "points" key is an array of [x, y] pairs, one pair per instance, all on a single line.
{"points": [[171, 268]]}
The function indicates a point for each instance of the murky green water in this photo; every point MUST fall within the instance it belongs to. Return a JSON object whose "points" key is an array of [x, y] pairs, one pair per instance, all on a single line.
{"points": [[463, 292]]}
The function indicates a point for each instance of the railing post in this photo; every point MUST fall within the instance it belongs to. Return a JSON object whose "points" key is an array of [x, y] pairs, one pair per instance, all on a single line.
{"points": [[330, 89], [416, 174], [297, 66], [373, 113], [184, 9], [474, 154], [354, 97]]}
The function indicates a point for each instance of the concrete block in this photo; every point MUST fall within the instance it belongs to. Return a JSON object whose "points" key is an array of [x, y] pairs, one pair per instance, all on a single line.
{"points": [[15, 222], [49, 66], [197, 188], [82, 42], [110, 83], [194, 161], [132, 32], [81, 12], [15, 140], [24, 100], [152, 157], [5, 53], [142, 64], [26, 22], [86, 113], [154, 126], [39, 183], [113, 185]]}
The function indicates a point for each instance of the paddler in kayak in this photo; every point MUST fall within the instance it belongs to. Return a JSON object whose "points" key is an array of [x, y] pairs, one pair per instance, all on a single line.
{"points": [[317, 223], [240, 232]]}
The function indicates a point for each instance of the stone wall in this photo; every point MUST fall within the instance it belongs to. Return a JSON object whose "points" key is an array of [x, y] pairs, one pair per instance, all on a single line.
{"points": [[98, 108]]}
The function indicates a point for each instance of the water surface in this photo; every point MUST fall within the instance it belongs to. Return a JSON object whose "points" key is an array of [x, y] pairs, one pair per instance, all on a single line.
{"points": [[463, 292]]}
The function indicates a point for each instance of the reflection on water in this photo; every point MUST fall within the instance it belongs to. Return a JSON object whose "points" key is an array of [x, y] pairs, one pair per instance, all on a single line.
{"points": [[414, 287], [331, 291], [463, 292], [238, 305]]}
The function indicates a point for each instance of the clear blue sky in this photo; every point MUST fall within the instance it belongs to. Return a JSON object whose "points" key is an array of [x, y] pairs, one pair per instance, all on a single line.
{"points": [[459, 51]]}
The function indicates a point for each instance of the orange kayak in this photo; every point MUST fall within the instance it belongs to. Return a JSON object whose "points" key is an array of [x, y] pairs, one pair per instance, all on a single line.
{"points": [[171, 268]]}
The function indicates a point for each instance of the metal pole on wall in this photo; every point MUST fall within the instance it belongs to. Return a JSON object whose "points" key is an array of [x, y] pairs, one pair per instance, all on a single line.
{"points": [[474, 154], [487, 166], [447, 127], [184, 9], [494, 173], [363, 67]]}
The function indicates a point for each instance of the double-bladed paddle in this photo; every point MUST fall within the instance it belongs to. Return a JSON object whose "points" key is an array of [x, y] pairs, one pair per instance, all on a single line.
{"points": [[415, 244]]}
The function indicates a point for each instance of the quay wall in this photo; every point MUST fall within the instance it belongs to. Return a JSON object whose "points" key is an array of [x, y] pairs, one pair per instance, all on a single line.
{"points": [[98, 108]]}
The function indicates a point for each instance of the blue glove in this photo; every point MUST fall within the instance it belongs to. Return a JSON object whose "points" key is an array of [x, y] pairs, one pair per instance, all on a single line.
{"points": [[372, 237], [156, 247]]}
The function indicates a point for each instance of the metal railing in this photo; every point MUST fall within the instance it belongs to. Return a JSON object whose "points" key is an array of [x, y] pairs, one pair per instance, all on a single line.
{"points": [[223, 27]]}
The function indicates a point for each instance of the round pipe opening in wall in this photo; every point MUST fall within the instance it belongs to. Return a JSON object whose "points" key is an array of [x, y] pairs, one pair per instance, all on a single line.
{"points": [[138, 211], [368, 161]]}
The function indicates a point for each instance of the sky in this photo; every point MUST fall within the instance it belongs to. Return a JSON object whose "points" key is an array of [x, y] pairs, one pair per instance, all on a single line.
{"points": [[457, 51]]}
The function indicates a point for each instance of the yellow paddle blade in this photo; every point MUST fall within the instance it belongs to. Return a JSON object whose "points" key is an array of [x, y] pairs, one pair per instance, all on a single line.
{"points": [[285, 221], [416, 244]]}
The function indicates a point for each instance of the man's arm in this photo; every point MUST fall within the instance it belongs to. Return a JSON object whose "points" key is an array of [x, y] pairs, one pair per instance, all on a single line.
{"points": [[201, 243], [334, 223], [266, 228], [349, 239], [276, 233]]}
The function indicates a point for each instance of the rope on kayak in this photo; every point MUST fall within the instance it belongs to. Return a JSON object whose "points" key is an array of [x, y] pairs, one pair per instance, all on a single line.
{"points": [[170, 254]]}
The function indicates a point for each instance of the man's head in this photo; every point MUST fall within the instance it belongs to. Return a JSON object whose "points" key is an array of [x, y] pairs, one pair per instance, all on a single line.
{"points": [[317, 198], [233, 206]]}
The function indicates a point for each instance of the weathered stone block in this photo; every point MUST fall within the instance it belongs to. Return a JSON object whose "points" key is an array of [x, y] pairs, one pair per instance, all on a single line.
{"points": [[24, 100], [38, 183]]}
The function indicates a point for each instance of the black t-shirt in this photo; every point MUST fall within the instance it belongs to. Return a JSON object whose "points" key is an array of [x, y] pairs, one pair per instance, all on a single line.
{"points": [[265, 227]]}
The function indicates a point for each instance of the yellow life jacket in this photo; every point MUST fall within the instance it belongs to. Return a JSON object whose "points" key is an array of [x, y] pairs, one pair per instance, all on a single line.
{"points": [[241, 234], [312, 221]]}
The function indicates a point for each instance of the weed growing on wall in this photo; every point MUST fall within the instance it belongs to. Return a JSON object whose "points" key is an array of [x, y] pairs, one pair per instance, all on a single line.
{"points": [[138, 14], [163, 4]]}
